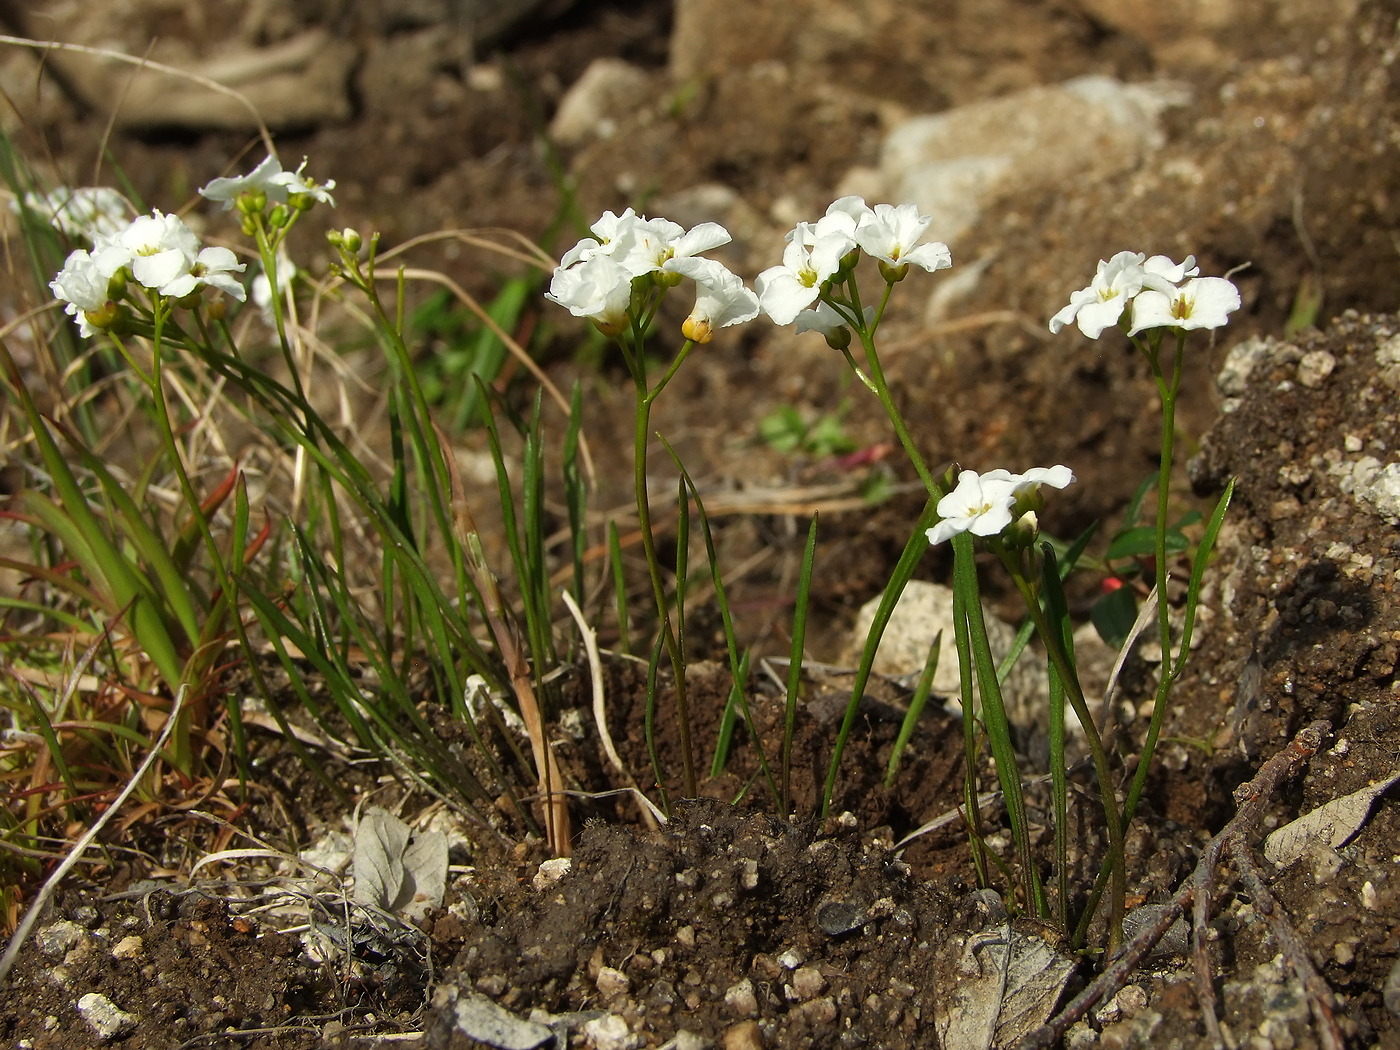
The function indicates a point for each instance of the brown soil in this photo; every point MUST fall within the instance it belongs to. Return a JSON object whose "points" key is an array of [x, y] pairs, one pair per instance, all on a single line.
{"points": [[1294, 132]]}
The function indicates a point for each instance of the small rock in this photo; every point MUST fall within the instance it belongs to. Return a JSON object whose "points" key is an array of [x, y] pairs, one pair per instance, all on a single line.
{"points": [[807, 982], [479, 1018], [1391, 995], [550, 872], [820, 1011], [740, 1000], [838, 917], [57, 940], [611, 982], [687, 1040], [1382, 493], [610, 1033], [1315, 367], [746, 1035], [748, 880], [1132, 999], [128, 948], [104, 1016], [791, 959], [922, 612]]}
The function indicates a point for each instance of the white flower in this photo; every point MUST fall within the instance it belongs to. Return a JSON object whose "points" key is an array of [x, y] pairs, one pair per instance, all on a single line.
{"points": [[825, 319], [721, 299], [598, 289], [1203, 302], [262, 288], [651, 244], [85, 212], [891, 234], [1029, 482], [1101, 304], [83, 284], [158, 248], [979, 505], [809, 261], [305, 184], [610, 229], [845, 215], [985, 504], [1161, 273], [270, 179], [213, 267]]}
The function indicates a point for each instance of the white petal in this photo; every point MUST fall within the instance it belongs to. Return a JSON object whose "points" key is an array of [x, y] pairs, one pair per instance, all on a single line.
{"points": [[782, 296]]}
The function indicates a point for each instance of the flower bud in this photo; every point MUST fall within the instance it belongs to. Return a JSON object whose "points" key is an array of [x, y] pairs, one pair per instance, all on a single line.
{"points": [[348, 240], [697, 329], [611, 329], [665, 279], [1021, 533], [116, 286], [189, 302], [279, 217], [893, 274], [105, 316], [838, 338], [252, 202]]}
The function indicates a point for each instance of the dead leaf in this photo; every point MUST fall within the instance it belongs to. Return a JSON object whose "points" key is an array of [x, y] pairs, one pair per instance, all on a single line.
{"points": [[1330, 826], [395, 870]]}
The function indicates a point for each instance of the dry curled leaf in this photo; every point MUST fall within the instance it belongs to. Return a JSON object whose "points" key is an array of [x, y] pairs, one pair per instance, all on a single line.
{"points": [[1330, 826]]}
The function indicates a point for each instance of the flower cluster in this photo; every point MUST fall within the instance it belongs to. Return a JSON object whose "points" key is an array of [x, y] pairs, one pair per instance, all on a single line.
{"points": [[269, 183], [83, 213], [819, 252], [159, 252], [985, 504], [597, 278], [1142, 294]]}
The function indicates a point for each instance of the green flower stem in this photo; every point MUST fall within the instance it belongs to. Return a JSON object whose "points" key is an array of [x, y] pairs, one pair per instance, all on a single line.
{"points": [[1167, 388], [882, 391], [1027, 583], [642, 434], [160, 308]]}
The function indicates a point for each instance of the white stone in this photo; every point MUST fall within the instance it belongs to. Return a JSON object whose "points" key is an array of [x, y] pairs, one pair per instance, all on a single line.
{"points": [[740, 999], [611, 982], [1381, 492], [610, 1033], [1315, 367], [105, 1018], [925, 609], [951, 164], [55, 940], [608, 90], [550, 872]]}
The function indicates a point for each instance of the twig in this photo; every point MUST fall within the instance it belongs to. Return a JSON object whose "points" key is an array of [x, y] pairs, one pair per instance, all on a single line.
{"points": [[1252, 798], [1315, 988], [50, 887]]}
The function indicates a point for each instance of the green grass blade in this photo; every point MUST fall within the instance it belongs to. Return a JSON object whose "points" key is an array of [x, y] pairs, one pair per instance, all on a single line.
{"points": [[903, 573], [916, 708], [795, 658], [1198, 569]]}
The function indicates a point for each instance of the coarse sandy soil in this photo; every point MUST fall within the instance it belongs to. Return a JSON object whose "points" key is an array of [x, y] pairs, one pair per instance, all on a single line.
{"points": [[730, 923]]}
